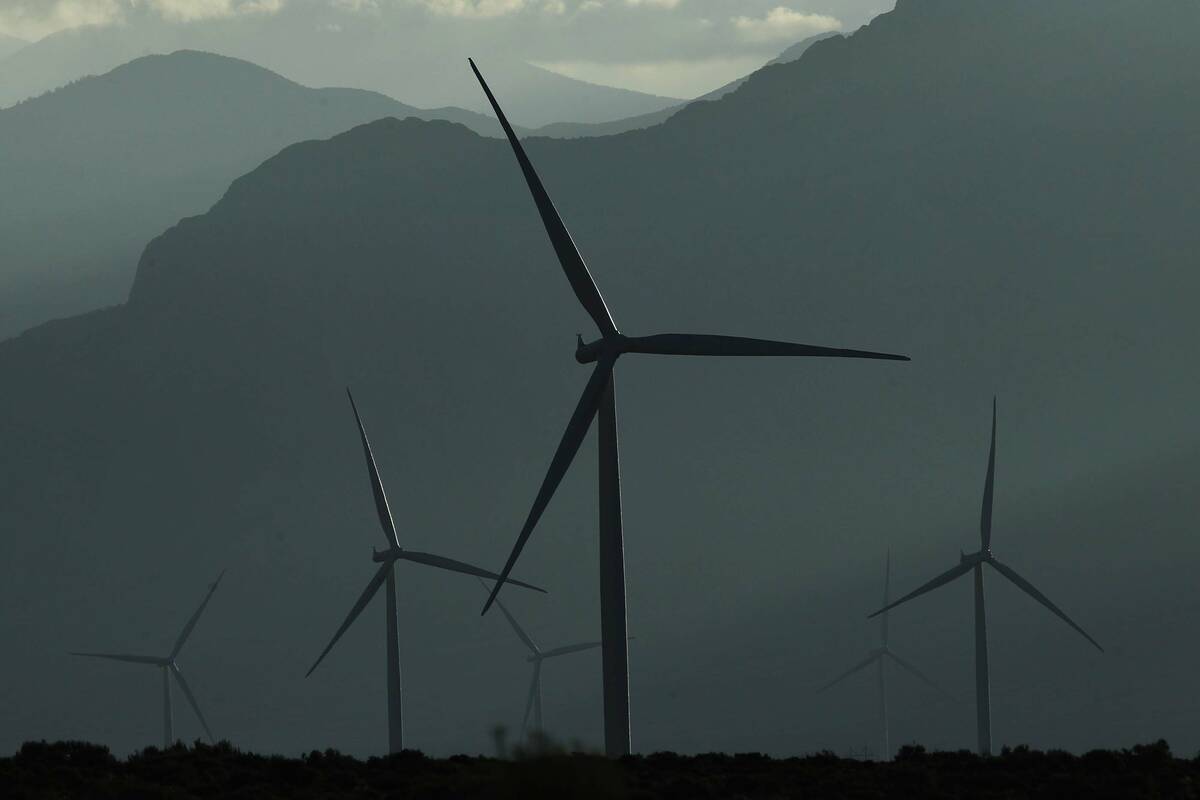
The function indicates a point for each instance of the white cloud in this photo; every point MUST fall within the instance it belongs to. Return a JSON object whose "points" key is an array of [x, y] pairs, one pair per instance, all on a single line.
{"points": [[193, 10], [783, 24], [33, 19], [473, 9], [684, 78], [653, 3]]}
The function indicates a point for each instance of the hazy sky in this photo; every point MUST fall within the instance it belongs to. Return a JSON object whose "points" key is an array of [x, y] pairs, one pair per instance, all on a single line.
{"points": [[678, 48]]}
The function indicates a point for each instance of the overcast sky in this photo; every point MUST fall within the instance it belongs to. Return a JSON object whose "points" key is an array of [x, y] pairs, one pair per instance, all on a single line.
{"points": [[679, 48]]}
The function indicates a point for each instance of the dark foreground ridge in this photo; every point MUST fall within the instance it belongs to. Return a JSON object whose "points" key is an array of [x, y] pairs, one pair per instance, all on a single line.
{"points": [[78, 769]]}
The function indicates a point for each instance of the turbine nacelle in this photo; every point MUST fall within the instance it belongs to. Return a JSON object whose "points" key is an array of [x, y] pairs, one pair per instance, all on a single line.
{"points": [[591, 352], [971, 559], [380, 556]]}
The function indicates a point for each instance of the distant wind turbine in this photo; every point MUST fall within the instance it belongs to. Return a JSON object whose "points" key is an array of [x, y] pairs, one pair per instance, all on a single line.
{"points": [[599, 398], [536, 657], [974, 562], [169, 667], [879, 656], [386, 574]]}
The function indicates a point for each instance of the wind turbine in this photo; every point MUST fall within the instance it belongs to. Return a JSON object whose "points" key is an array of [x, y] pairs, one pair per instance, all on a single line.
{"points": [[169, 667], [599, 398], [386, 574], [536, 657], [879, 656], [974, 562]]}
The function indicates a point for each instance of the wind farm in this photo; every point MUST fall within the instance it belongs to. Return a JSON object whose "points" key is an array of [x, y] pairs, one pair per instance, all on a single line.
{"points": [[935, 204]]}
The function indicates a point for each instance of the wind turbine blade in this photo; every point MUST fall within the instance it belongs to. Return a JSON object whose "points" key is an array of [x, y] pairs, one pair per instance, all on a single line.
{"points": [[458, 566], [985, 514], [381, 502], [1032, 591], [524, 637], [191, 623], [866, 662], [571, 648], [694, 344], [940, 580], [123, 657], [364, 598], [564, 247], [572, 438], [191, 698], [917, 673], [533, 686]]}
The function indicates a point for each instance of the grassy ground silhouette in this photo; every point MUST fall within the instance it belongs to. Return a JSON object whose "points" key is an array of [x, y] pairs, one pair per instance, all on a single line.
{"points": [[78, 769]]}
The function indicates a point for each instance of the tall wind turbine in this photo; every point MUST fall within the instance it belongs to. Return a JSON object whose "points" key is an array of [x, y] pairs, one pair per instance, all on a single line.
{"points": [[599, 398], [878, 657], [386, 574], [974, 562], [169, 667], [536, 657]]}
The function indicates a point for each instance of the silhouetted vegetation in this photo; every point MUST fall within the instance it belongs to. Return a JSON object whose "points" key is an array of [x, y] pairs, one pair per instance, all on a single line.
{"points": [[79, 769]]}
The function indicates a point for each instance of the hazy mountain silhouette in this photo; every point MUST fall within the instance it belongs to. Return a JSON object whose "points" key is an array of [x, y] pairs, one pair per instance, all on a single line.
{"points": [[95, 169], [10, 45], [1006, 191], [291, 45], [575, 129]]}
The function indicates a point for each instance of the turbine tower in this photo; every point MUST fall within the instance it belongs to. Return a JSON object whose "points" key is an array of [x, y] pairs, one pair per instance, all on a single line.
{"points": [[599, 399], [974, 562], [386, 574], [879, 656], [169, 667], [536, 657]]}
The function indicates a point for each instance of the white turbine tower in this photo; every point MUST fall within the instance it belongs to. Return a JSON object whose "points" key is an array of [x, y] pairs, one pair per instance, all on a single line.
{"points": [[974, 562], [878, 657], [536, 657], [386, 574], [169, 668]]}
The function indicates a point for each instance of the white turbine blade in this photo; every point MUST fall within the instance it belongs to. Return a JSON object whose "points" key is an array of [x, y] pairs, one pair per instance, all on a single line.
{"points": [[866, 662], [533, 686], [381, 502], [123, 657], [364, 598], [940, 580], [1032, 591], [450, 564], [985, 514], [191, 698], [571, 648], [191, 623], [917, 673], [524, 637]]}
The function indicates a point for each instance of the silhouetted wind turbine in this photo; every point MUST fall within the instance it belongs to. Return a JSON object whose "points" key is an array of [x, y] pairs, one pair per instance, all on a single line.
{"points": [[879, 657], [974, 563], [599, 397], [385, 574], [536, 657], [169, 667]]}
